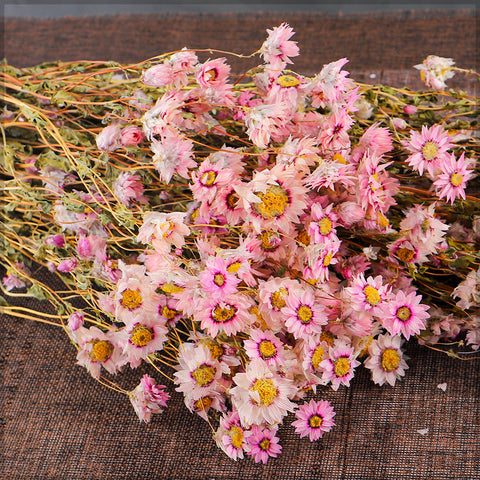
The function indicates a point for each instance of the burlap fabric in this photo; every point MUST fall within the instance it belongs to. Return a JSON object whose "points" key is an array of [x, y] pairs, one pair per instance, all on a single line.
{"points": [[56, 422]]}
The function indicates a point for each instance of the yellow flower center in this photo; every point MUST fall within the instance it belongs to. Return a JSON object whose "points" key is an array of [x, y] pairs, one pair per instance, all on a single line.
{"points": [[456, 179], [382, 220], [315, 421], [131, 299], [203, 403], [371, 294], [339, 158], [273, 202], [223, 314], [390, 360], [317, 356], [234, 267], [211, 75], [232, 199], [430, 151], [425, 225], [342, 366], [325, 225], [303, 238], [171, 288], [208, 178], [266, 389], [219, 280], [236, 434], [288, 81], [304, 314], [216, 350], [327, 259], [141, 335], [101, 350], [404, 313], [204, 375], [267, 237], [405, 254], [327, 337], [267, 349], [168, 313], [277, 299], [264, 444]]}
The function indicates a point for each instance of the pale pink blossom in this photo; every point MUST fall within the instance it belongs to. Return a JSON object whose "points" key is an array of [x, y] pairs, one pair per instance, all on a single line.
{"points": [[148, 398]]}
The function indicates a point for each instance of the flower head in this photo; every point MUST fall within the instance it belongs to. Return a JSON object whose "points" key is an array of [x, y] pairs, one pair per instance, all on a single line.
{"points": [[314, 419], [148, 398], [278, 47], [263, 444]]}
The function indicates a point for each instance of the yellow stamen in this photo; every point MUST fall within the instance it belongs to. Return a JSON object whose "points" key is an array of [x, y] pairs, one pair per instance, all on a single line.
{"points": [[131, 299], [169, 313], [390, 360], [267, 349], [204, 375], [101, 350], [236, 434], [277, 299], [405, 254], [371, 295], [305, 314], [232, 199], [267, 237], [327, 259], [223, 314], [203, 403], [327, 337], [288, 81], [219, 280], [404, 313], [216, 350], [318, 356], [208, 178], [342, 366], [234, 267], [303, 238], [273, 202], [430, 151], [141, 335], [456, 179], [171, 288], [315, 421], [339, 158], [264, 444], [266, 389], [325, 225], [211, 74]]}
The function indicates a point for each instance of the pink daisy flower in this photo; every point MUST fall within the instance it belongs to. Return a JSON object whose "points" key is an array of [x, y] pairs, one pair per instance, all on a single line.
{"points": [[314, 419], [216, 280], [386, 360], [428, 148], [198, 373], [405, 314], [323, 223], [148, 398], [263, 444], [261, 395], [201, 406], [452, 181], [208, 179], [266, 346], [144, 334], [213, 73], [339, 367], [303, 315], [173, 153], [98, 349], [366, 294], [229, 314], [278, 47], [128, 187], [262, 120], [274, 199], [231, 436], [334, 133]]}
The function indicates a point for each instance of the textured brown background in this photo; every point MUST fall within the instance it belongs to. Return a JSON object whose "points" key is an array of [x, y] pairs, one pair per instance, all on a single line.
{"points": [[56, 422]]}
